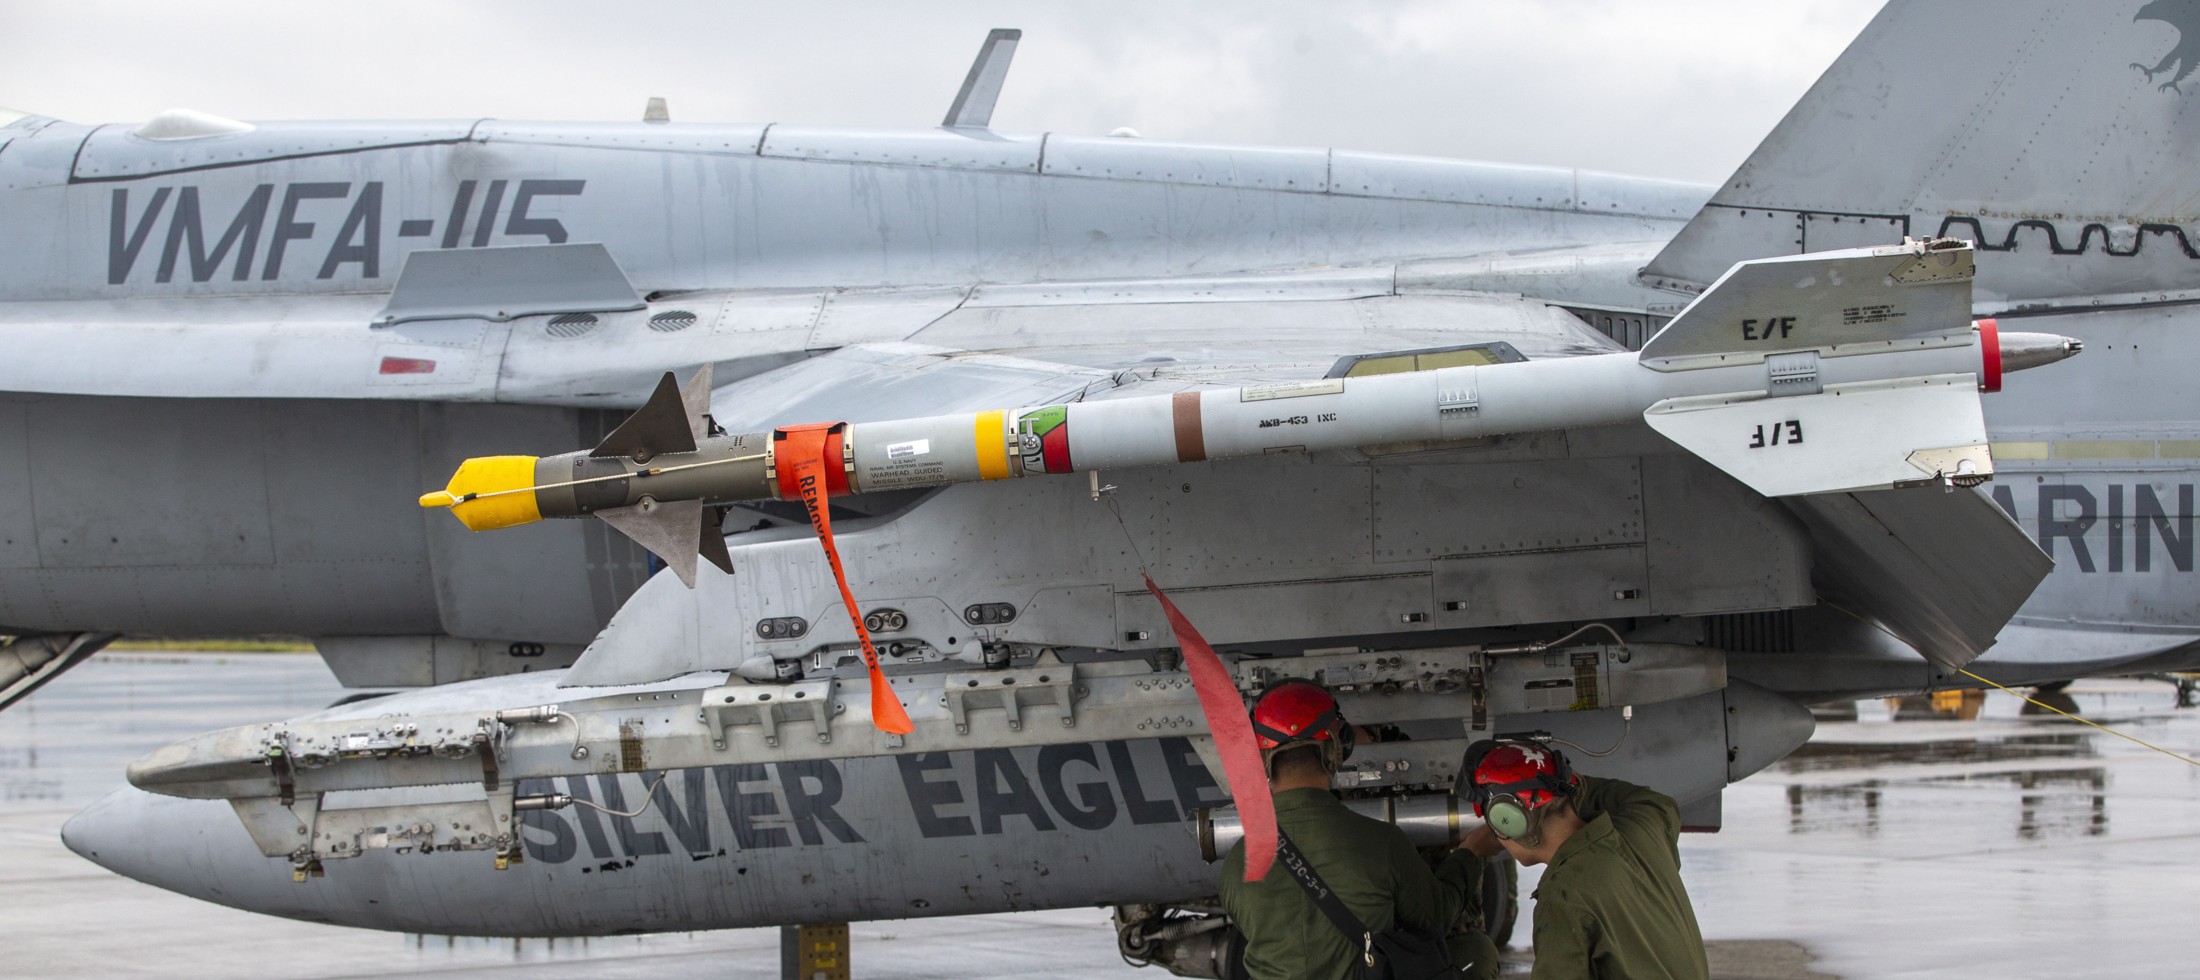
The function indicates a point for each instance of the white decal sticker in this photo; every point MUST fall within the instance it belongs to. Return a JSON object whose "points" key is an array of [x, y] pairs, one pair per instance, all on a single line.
{"points": [[1295, 389], [905, 450]]}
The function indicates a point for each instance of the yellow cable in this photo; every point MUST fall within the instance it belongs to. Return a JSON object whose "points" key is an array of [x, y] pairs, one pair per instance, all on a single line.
{"points": [[2028, 700], [638, 474], [2072, 717]]}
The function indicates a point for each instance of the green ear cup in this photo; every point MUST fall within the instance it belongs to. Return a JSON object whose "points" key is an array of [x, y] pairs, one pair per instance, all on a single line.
{"points": [[1508, 819]]}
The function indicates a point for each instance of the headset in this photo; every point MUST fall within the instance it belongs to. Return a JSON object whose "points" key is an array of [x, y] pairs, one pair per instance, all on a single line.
{"points": [[1506, 813]]}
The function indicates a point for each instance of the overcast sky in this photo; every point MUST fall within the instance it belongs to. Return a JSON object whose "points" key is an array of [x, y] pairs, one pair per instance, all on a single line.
{"points": [[1668, 88]]}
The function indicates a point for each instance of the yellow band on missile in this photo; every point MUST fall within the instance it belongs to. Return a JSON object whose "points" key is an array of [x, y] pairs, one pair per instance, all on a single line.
{"points": [[490, 492], [991, 431]]}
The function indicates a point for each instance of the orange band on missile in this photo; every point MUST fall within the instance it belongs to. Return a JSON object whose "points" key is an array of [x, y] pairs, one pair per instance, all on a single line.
{"points": [[1191, 440], [808, 457], [833, 453], [991, 432]]}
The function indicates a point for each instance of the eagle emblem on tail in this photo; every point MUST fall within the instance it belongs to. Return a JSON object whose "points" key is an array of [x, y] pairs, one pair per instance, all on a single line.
{"points": [[2185, 16]]}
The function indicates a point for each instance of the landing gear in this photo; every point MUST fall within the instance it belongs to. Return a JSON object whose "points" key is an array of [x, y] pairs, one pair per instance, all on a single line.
{"points": [[1191, 940], [28, 661]]}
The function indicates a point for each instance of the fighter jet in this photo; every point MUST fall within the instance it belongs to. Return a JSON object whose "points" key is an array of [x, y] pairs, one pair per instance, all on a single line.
{"points": [[1486, 448]]}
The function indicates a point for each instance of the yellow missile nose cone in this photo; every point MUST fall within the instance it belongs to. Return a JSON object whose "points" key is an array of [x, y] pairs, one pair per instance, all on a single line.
{"points": [[490, 492]]}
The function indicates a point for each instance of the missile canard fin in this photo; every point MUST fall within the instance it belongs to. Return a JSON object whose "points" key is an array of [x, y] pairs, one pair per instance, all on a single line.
{"points": [[660, 426], [668, 529]]}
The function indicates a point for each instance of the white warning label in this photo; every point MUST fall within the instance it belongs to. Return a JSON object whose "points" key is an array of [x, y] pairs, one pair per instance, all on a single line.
{"points": [[1293, 389]]}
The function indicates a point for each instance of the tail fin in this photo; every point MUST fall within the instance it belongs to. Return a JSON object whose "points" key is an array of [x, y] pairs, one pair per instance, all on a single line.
{"points": [[1826, 301], [2053, 134], [1788, 312]]}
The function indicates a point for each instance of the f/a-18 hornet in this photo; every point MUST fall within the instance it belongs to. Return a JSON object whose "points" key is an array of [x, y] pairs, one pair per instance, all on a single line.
{"points": [[1484, 448]]}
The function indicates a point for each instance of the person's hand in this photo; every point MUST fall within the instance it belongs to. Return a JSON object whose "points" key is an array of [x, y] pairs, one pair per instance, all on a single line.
{"points": [[1483, 842]]}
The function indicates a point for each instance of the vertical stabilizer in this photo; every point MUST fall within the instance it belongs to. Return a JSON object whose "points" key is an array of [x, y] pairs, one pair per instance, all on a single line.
{"points": [[973, 108], [2058, 136]]}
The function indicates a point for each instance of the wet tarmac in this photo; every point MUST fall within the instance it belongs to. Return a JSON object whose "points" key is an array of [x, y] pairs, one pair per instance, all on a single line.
{"points": [[2010, 845], [2019, 844]]}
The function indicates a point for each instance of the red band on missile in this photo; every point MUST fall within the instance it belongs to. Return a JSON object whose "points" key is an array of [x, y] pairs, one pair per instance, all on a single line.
{"points": [[1989, 342], [808, 460], [1191, 442], [1233, 734]]}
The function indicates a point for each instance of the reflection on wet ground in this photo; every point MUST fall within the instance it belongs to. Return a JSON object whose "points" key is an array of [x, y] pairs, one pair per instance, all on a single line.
{"points": [[2020, 843], [2009, 845], [2046, 767]]}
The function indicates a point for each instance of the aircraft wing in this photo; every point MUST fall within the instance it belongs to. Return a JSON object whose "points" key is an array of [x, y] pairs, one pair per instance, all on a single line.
{"points": [[995, 350], [607, 351], [1941, 571]]}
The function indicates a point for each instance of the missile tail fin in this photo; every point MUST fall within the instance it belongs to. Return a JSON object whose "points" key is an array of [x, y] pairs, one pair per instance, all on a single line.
{"points": [[1796, 435], [1829, 302], [1855, 437]]}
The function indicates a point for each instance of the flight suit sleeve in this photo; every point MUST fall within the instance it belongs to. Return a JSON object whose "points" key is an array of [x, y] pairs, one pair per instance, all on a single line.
{"points": [[1628, 803], [1565, 942], [1460, 872], [1230, 889], [1424, 899], [1471, 949]]}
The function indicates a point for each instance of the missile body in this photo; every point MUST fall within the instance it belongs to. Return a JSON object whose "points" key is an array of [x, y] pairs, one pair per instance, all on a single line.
{"points": [[1428, 819], [1870, 378], [1448, 404]]}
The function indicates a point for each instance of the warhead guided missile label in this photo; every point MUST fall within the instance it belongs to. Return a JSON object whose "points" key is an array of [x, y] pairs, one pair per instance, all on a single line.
{"points": [[908, 464], [1042, 438]]}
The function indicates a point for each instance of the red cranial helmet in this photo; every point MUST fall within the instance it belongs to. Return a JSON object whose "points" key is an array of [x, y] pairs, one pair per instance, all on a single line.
{"points": [[1531, 773], [1296, 712], [1510, 783]]}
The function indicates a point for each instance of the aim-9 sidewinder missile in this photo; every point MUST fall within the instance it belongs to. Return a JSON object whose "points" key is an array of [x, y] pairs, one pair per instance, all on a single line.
{"points": [[1810, 373]]}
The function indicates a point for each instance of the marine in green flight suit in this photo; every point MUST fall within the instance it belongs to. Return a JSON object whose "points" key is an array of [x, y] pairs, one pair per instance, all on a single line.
{"points": [[1611, 903], [1373, 868], [1369, 864]]}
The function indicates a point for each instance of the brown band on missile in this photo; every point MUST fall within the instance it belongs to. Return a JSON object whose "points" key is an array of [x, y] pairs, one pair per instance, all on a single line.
{"points": [[1191, 443]]}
